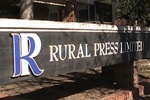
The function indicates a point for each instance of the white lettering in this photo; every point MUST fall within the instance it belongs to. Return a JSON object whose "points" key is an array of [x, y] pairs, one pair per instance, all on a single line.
{"points": [[96, 48], [53, 53], [102, 47], [139, 45], [80, 52], [60, 52], [131, 46], [107, 48], [71, 51], [86, 51]]}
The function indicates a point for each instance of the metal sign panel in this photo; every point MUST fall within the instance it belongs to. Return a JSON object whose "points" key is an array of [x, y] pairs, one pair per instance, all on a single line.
{"points": [[28, 54]]}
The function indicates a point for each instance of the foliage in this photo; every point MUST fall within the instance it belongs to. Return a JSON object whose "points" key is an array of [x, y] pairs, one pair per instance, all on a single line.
{"points": [[134, 10]]}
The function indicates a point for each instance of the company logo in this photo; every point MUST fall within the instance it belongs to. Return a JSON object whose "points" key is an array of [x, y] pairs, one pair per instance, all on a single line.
{"points": [[25, 48]]}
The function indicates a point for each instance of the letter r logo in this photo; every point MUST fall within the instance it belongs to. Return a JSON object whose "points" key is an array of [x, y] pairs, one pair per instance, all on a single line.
{"points": [[25, 48]]}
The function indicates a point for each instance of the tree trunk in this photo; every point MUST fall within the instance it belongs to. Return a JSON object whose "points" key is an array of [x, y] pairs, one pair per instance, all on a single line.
{"points": [[26, 9], [70, 12]]}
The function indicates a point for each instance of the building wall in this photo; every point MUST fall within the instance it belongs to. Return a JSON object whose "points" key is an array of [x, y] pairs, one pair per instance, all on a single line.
{"points": [[9, 11], [99, 12], [40, 11]]}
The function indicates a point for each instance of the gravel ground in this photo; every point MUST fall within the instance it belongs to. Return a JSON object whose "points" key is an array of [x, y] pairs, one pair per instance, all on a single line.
{"points": [[88, 85]]}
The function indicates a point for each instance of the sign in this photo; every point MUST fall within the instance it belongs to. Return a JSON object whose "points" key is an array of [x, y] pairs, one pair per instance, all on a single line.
{"points": [[25, 48], [28, 46], [24, 55]]}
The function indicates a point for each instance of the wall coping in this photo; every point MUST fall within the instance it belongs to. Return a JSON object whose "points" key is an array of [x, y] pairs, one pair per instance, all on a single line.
{"points": [[39, 25]]}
